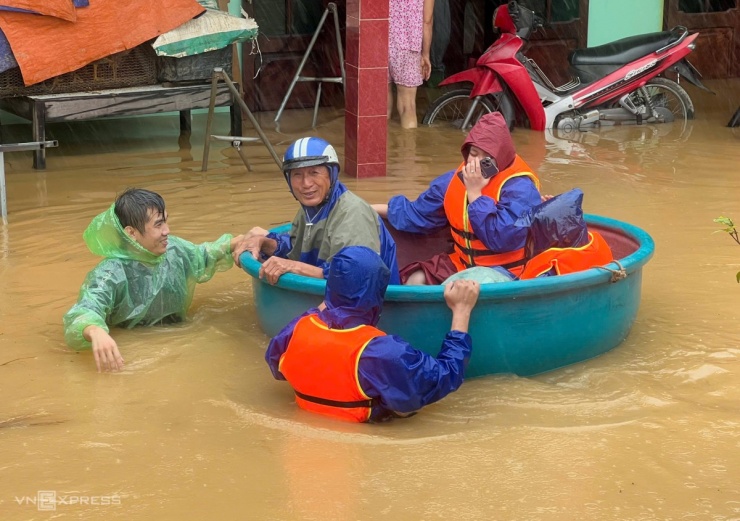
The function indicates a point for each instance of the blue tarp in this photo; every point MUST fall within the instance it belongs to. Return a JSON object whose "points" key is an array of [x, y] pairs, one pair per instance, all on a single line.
{"points": [[7, 60], [557, 223]]}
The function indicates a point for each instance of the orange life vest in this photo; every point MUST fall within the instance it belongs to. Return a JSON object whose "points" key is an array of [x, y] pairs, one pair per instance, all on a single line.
{"points": [[468, 249], [569, 260], [321, 365]]}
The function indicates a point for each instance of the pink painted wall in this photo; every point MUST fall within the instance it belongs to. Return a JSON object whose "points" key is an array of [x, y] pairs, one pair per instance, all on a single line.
{"points": [[366, 89]]}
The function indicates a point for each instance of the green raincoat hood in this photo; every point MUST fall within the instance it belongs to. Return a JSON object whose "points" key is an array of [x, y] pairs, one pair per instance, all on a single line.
{"points": [[106, 237]]}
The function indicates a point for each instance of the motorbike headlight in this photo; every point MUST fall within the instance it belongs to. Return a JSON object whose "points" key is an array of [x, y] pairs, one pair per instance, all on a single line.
{"points": [[692, 46]]}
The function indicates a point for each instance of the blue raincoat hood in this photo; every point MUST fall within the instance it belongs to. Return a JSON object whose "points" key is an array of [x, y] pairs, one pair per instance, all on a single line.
{"points": [[355, 287]]}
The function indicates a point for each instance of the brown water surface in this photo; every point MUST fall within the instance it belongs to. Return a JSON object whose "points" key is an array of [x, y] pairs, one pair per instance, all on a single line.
{"points": [[196, 428]]}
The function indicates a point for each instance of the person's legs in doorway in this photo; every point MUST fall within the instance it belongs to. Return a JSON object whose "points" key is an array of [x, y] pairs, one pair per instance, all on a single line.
{"points": [[406, 105], [404, 69]]}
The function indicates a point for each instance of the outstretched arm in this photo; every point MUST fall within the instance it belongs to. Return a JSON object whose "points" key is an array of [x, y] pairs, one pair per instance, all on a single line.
{"points": [[207, 258], [461, 296], [425, 215], [255, 241], [405, 379], [382, 209]]}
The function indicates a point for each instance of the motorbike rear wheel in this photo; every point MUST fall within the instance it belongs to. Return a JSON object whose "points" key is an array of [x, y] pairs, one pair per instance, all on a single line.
{"points": [[451, 108], [669, 99]]}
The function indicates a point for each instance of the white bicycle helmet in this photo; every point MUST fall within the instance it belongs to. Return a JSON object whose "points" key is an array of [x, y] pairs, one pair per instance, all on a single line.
{"points": [[309, 151]]}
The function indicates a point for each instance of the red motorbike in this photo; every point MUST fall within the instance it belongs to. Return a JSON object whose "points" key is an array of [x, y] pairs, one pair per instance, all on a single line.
{"points": [[614, 83]]}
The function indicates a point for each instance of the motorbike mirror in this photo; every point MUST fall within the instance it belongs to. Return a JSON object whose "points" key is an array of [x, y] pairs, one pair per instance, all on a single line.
{"points": [[513, 9], [525, 20]]}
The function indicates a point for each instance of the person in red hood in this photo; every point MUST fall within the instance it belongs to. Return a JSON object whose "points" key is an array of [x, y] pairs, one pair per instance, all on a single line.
{"points": [[480, 201]]}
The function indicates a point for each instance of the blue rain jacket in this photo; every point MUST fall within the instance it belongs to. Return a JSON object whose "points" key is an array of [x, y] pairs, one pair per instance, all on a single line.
{"points": [[493, 223], [400, 377]]}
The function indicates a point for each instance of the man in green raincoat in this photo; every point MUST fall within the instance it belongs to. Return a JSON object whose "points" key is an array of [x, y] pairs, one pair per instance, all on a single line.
{"points": [[147, 277]]}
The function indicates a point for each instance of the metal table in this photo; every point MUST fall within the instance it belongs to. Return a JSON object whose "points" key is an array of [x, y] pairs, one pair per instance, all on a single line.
{"points": [[15, 147]]}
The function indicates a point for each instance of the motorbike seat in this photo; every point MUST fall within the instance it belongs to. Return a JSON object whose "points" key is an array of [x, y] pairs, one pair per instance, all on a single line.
{"points": [[622, 51]]}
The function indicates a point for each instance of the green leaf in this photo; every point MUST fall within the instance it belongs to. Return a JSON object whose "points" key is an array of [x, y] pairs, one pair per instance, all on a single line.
{"points": [[725, 220]]}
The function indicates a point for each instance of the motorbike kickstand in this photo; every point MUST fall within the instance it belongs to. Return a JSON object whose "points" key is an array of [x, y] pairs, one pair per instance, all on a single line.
{"points": [[627, 104]]}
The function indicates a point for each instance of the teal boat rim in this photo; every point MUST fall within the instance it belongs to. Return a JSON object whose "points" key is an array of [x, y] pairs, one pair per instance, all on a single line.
{"points": [[501, 290]]}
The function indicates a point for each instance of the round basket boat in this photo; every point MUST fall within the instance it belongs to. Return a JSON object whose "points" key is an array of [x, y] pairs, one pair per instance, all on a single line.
{"points": [[521, 327]]}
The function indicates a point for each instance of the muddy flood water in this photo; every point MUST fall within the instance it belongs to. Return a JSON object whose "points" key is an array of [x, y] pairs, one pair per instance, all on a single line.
{"points": [[195, 427]]}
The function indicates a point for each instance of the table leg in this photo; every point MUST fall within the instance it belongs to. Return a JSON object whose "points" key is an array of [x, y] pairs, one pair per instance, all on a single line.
{"points": [[3, 197], [186, 122], [236, 119], [38, 122]]}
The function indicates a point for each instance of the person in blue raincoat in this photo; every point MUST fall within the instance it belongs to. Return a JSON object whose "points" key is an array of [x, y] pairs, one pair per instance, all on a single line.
{"points": [[340, 365], [330, 218], [147, 276], [480, 207]]}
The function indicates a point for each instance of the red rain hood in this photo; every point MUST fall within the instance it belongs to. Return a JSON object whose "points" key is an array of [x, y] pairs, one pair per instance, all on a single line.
{"points": [[492, 135]]}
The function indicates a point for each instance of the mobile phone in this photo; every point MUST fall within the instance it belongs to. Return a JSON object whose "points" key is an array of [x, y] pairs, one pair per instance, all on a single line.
{"points": [[488, 167]]}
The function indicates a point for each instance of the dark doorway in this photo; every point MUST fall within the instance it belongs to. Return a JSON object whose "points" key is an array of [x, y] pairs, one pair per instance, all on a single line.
{"points": [[718, 23]]}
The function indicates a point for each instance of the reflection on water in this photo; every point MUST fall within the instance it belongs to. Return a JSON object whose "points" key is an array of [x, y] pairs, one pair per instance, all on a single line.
{"points": [[604, 147], [195, 427]]}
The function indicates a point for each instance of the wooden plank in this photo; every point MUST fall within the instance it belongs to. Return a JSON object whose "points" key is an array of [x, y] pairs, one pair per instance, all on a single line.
{"points": [[22, 107], [117, 102], [153, 101]]}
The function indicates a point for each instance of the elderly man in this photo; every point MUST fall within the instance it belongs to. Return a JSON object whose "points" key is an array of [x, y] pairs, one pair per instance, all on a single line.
{"points": [[331, 218], [340, 365]]}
